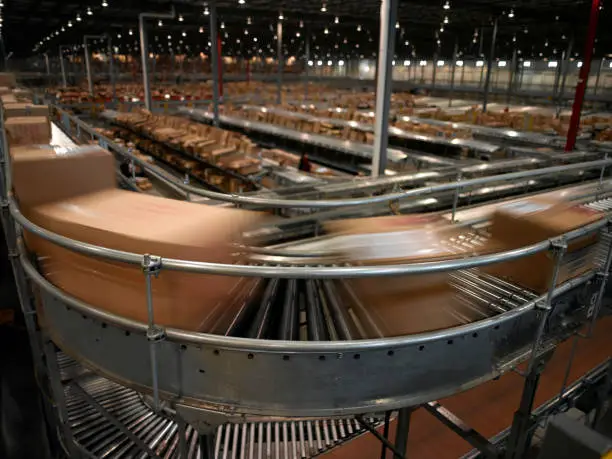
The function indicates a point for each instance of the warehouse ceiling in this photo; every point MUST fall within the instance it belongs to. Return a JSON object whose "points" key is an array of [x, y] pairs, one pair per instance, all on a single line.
{"points": [[338, 28]]}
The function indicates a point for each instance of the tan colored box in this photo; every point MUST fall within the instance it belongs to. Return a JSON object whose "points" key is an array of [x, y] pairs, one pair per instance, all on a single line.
{"points": [[400, 305], [28, 130], [101, 215], [43, 174], [8, 99], [531, 221], [8, 79], [12, 110]]}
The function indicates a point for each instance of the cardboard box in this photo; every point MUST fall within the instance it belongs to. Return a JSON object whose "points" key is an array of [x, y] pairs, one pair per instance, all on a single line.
{"points": [[44, 174], [400, 305], [8, 99], [23, 109], [142, 224], [28, 130], [8, 79], [74, 195], [530, 221]]}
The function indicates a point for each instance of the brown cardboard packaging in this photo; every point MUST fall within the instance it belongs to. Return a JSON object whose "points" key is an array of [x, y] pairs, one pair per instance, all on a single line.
{"points": [[530, 221], [400, 305], [28, 130], [21, 109], [8, 79], [43, 174], [142, 224], [74, 195], [8, 99]]}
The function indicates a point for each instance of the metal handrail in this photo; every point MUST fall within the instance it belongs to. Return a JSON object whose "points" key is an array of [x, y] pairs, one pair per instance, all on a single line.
{"points": [[291, 272], [335, 203], [229, 342]]}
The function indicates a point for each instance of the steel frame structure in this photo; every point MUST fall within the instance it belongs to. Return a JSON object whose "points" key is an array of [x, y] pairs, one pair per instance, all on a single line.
{"points": [[62, 310]]}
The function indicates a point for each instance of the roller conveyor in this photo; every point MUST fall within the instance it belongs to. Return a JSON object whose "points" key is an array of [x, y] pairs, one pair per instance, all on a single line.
{"points": [[98, 435], [475, 145]]}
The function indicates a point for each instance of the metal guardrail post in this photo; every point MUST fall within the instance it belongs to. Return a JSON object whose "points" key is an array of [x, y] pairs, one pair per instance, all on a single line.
{"points": [[602, 277], [558, 248], [456, 199], [603, 171], [151, 267]]}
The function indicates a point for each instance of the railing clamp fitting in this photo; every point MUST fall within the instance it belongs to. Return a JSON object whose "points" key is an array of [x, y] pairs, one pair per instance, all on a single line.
{"points": [[151, 265], [156, 334]]}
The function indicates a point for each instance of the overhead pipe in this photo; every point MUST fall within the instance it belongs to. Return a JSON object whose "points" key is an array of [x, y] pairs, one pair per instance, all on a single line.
{"points": [[144, 50], [584, 77]]}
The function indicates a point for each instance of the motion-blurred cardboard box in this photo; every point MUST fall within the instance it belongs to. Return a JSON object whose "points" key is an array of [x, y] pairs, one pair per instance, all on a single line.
{"points": [[401, 304], [28, 130], [56, 191], [530, 221]]}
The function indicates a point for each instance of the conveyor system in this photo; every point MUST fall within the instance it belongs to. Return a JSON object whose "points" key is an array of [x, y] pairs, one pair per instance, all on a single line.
{"points": [[355, 154], [300, 356]]}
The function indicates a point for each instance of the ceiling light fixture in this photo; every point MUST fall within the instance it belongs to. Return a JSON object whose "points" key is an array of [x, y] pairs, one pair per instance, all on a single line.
{"points": [[336, 20], [280, 16], [181, 18], [206, 12], [359, 28], [201, 29], [78, 18], [160, 23], [323, 8], [511, 13], [326, 31], [223, 25], [397, 26], [104, 3], [89, 12], [445, 19], [446, 5]]}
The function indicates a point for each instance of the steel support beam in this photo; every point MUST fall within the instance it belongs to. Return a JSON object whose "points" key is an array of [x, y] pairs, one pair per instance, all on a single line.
{"points": [[281, 60], [583, 79], [307, 66], [214, 62], [111, 68], [512, 77], [63, 66], [597, 78], [566, 63], [401, 435], [453, 69], [144, 52], [388, 15], [88, 67], [489, 68]]}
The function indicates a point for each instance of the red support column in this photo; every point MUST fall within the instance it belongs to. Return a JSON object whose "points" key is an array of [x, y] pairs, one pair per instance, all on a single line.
{"points": [[219, 66], [583, 78]]}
